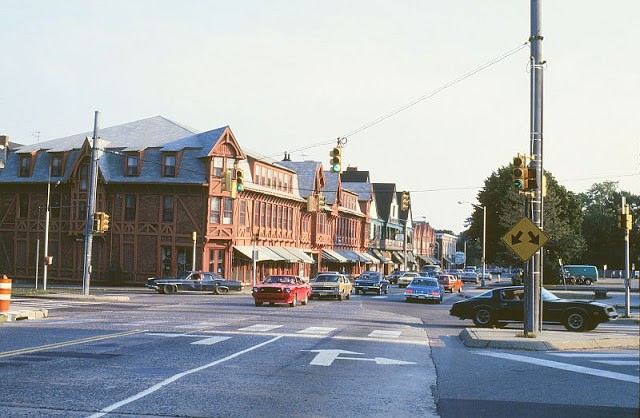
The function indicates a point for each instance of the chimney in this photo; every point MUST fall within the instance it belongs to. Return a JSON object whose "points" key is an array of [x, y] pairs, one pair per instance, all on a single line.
{"points": [[4, 149], [287, 156]]}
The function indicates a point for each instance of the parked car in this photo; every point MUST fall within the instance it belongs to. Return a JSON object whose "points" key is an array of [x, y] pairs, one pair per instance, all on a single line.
{"points": [[506, 304], [450, 283], [405, 279], [424, 288], [282, 289], [332, 285], [393, 278], [430, 270], [371, 281], [470, 276], [194, 281]]}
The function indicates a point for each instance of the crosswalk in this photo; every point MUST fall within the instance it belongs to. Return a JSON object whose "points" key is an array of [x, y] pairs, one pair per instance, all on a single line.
{"points": [[18, 304]]}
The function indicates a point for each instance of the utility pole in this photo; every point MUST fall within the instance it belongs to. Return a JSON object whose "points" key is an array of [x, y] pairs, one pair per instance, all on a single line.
{"points": [[91, 206], [533, 300], [626, 212]]}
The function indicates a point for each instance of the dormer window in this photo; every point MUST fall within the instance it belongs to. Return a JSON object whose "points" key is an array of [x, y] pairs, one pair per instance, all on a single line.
{"points": [[25, 166], [169, 166], [132, 165], [56, 165]]}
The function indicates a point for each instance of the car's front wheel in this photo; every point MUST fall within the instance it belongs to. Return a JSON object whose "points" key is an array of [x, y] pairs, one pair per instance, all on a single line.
{"points": [[576, 321], [587, 281], [258, 303], [294, 302], [305, 300], [170, 288], [221, 290], [483, 317]]}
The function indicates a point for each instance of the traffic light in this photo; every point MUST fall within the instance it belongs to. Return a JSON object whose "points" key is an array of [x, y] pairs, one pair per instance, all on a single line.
{"points": [[336, 160], [226, 181], [520, 174], [531, 181], [321, 202], [405, 201], [311, 207], [104, 222], [96, 222], [239, 180], [625, 219]]}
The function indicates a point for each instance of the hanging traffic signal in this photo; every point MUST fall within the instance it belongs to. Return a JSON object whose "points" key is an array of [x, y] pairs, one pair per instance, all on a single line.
{"points": [[520, 174], [104, 222], [335, 162], [96, 222], [531, 182], [625, 219], [311, 203], [405, 201], [321, 202], [226, 181], [239, 180]]}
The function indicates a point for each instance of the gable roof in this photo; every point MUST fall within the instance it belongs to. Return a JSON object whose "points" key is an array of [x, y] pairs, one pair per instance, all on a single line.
{"points": [[306, 172], [384, 193]]}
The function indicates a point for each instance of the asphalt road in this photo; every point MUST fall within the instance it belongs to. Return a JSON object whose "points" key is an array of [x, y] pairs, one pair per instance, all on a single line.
{"points": [[201, 355]]}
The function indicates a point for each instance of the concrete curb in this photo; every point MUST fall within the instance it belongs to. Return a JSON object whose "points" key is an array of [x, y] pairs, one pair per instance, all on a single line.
{"points": [[548, 340], [20, 315], [72, 296]]}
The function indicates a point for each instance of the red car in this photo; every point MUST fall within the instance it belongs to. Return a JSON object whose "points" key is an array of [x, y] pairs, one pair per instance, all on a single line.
{"points": [[282, 289], [450, 283]]}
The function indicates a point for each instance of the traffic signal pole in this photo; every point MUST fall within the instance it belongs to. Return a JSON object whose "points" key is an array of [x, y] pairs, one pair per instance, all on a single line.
{"points": [[91, 207], [533, 300], [627, 279]]}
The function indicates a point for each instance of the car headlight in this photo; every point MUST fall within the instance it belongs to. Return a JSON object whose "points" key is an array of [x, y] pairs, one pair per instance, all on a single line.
{"points": [[255, 290], [287, 290]]}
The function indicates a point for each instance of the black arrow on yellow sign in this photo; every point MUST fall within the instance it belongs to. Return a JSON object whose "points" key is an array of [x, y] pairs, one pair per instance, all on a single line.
{"points": [[515, 239], [534, 239]]}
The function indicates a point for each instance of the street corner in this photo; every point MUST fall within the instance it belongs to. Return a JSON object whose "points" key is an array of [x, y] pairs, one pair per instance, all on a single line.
{"points": [[11, 316]]}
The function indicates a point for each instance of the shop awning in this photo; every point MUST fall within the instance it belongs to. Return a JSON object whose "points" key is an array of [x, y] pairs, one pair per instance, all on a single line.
{"points": [[272, 253], [301, 254], [333, 256], [351, 256], [381, 256], [263, 253], [397, 256], [427, 259], [370, 257], [285, 254]]}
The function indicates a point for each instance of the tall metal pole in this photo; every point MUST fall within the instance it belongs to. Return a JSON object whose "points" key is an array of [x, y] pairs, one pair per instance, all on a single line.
{"points": [[91, 207], [484, 243], [627, 280], [46, 234], [533, 286], [38, 248], [404, 246], [194, 237]]}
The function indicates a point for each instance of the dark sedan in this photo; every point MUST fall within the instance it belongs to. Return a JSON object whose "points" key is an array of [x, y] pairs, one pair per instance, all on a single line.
{"points": [[371, 281], [500, 306], [194, 281]]}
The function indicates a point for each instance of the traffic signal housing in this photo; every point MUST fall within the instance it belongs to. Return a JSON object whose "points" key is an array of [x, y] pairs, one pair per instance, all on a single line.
{"points": [[335, 162], [321, 202], [405, 201], [625, 219], [96, 222], [239, 180], [226, 181], [104, 222], [520, 174]]}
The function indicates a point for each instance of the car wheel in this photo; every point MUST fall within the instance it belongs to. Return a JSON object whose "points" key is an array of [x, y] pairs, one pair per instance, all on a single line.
{"points": [[339, 297], [386, 291], [587, 281], [576, 321], [170, 288], [305, 300], [294, 302], [221, 290], [348, 296], [483, 317], [258, 303], [408, 300], [355, 292]]}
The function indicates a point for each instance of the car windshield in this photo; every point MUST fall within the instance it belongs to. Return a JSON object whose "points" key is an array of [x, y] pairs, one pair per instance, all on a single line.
{"points": [[279, 279], [424, 282], [327, 278]]}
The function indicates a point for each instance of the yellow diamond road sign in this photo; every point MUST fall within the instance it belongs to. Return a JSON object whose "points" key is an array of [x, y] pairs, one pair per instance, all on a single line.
{"points": [[524, 239]]}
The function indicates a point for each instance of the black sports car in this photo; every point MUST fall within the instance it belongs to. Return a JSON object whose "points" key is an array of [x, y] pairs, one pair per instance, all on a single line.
{"points": [[194, 281], [506, 304], [371, 281]]}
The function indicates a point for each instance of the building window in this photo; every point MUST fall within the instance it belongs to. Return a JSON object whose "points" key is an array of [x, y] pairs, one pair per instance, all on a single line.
{"points": [[169, 166], [56, 165], [214, 214], [167, 208], [290, 226], [84, 176], [256, 214], [130, 207], [23, 206], [25, 165], [82, 211], [257, 175], [166, 261], [227, 213], [243, 213], [263, 172], [263, 209], [217, 166], [268, 216], [132, 165]]}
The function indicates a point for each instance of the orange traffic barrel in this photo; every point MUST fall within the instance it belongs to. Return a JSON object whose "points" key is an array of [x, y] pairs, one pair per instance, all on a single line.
{"points": [[5, 293]]}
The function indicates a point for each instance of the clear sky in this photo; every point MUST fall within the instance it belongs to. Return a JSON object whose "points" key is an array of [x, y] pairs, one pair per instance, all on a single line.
{"points": [[290, 75]]}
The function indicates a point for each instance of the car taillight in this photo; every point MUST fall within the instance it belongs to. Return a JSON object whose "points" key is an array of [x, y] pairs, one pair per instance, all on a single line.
{"points": [[409, 291], [435, 292]]}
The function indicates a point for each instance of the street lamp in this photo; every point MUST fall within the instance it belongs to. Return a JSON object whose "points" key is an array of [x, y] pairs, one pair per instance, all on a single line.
{"points": [[484, 237]]}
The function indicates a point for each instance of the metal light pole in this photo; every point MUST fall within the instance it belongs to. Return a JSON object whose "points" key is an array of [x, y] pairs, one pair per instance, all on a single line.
{"points": [[93, 184], [46, 234], [194, 236], [404, 247], [484, 238]]}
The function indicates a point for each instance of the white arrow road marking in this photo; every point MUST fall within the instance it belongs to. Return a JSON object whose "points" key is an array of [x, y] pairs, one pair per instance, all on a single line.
{"points": [[327, 357], [260, 328], [210, 340], [385, 334], [564, 366]]}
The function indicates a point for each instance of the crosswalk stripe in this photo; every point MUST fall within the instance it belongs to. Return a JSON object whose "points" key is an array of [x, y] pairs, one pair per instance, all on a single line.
{"points": [[619, 362], [316, 330], [260, 327], [210, 340], [594, 355], [385, 334]]}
